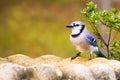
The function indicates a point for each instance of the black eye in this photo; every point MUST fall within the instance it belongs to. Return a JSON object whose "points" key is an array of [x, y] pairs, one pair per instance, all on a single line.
{"points": [[77, 25]]}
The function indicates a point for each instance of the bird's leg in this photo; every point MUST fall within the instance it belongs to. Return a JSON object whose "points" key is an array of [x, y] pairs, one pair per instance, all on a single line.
{"points": [[90, 57], [78, 54]]}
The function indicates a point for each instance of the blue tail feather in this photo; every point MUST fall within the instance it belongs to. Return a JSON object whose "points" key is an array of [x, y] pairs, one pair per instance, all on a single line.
{"points": [[100, 54]]}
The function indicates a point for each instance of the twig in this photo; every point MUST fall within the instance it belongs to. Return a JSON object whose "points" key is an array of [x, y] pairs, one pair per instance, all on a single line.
{"points": [[108, 43], [109, 38]]}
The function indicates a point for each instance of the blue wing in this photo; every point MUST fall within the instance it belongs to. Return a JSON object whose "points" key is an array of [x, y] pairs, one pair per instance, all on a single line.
{"points": [[91, 39]]}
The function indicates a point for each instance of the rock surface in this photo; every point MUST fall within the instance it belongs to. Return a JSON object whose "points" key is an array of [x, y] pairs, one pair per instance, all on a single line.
{"points": [[20, 59], [77, 72], [46, 72], [12, 71], [51, 67], [46, 59], [115, 65], [102, 72]]}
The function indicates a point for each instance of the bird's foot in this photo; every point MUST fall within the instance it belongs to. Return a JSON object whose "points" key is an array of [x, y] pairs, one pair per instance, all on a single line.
{"points": [[78, 54], [90, 59]]}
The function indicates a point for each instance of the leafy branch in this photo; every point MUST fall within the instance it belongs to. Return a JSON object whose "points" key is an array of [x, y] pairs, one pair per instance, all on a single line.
{"points": [[109, 18]]}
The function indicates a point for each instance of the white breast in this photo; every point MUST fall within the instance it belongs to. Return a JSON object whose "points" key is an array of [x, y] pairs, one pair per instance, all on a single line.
{"points": [[81, 43]]}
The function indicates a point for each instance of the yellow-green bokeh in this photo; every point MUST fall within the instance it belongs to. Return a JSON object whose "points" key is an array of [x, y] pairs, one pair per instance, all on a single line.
{"points": [[35, 27]]}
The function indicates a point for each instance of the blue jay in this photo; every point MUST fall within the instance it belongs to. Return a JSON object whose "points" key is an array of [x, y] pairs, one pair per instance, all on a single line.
{"points": [[83, 40]]}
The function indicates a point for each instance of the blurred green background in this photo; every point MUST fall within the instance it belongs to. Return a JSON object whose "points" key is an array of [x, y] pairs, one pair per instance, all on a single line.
{"points": [[37, 27]]}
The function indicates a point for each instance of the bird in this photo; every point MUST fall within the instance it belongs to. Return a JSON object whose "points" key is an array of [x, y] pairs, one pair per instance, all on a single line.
{"points": [[83, 40]]}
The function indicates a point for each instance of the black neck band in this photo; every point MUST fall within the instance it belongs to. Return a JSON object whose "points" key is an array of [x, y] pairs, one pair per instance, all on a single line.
{"points": [[81, 30]]}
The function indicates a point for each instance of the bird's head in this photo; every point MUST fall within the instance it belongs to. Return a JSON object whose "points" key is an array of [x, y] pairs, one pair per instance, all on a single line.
{"points": [[76, 26]]}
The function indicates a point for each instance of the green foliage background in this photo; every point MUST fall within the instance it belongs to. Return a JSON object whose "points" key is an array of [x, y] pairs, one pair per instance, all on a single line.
{"points": [[37, 27], [110, 19]]}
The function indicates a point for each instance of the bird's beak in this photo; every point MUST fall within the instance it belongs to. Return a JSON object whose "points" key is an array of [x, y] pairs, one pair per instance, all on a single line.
{"points": [[69, 26]]}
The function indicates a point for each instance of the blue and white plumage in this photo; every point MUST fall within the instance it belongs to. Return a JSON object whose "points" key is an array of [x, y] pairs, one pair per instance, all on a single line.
{"points": [[83, 40]]}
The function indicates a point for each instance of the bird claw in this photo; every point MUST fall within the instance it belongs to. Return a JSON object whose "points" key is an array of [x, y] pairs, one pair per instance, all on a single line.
{"points": [[78, 54], [90, 59]]}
